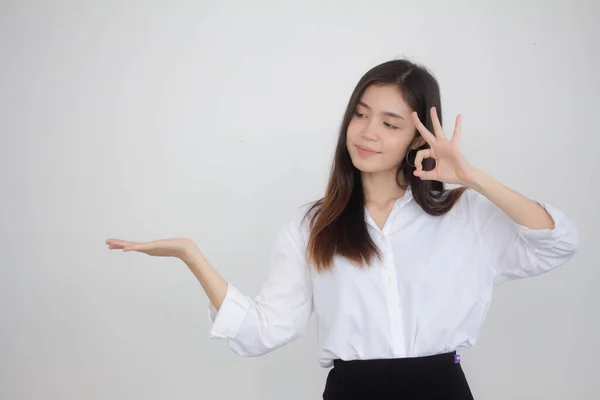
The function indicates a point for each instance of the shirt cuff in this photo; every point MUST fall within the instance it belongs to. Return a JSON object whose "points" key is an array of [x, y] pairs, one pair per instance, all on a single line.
{"points": [[546, 237], [226, 323]]}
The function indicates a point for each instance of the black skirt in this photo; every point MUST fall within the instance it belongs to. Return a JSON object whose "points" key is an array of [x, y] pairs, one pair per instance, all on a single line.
{"points": [[431, 377]]}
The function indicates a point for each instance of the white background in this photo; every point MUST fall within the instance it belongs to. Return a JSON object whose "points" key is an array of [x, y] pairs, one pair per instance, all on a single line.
{"points": [[214, 120]]}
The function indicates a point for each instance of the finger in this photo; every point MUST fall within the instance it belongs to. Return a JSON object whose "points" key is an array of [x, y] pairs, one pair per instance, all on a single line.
{"points": [[437, 125], [457, 126], [428, 136], [421, 154], [119, 244], [142, 247], [426, 175], [115, 243]]}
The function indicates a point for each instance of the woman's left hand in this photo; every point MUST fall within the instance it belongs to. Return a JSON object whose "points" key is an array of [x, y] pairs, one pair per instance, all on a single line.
{"points": [[450, 165]]}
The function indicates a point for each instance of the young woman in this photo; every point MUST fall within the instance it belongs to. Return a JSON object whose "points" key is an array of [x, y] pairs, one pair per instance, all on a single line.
{"points": [[398, 269]]}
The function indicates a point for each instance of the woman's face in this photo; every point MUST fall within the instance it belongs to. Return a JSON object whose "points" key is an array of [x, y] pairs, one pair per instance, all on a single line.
{"points": [[381, 130]]}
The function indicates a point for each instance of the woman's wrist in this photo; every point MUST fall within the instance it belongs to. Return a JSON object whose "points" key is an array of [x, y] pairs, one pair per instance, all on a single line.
{"points": [[191, 254]]}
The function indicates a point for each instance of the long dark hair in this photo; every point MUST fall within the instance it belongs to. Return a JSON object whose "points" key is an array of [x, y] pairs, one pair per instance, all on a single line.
{"points": [[337, 221]]}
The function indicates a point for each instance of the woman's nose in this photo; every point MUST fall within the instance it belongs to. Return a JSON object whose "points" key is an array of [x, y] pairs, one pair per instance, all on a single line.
{"points": [[369, 132]]}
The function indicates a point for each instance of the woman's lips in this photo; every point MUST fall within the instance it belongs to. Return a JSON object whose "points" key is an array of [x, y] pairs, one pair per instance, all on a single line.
{"points": [[366, 152]]}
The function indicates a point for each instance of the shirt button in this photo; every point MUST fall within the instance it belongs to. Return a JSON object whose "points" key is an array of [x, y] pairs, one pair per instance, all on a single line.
{"points": [[389, 280]]}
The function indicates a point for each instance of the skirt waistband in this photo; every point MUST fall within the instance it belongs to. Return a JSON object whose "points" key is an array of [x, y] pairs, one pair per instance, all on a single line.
{"points": [[400, 363], [437, 376]]}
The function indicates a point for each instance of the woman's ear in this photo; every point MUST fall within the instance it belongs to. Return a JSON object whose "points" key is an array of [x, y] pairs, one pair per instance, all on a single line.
{"points": [[417, 143]]}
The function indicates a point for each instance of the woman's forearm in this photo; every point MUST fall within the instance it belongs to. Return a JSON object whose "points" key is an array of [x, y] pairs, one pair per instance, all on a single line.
{"points": [[519, 208], [213, 284]]}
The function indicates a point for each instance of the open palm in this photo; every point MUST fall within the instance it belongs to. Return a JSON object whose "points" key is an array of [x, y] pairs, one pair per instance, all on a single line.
{"points": [[450, 165], [178, 247]]}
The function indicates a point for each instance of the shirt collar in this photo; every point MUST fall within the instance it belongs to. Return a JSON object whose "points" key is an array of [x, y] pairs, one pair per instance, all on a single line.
{"points": [[398, 205]]}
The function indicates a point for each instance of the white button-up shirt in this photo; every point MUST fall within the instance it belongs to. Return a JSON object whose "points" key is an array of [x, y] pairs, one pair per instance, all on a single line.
{"points": [[429, 292]]}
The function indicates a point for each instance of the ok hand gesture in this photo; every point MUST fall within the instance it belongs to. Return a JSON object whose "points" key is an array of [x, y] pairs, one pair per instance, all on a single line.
{"points": [[450, 165]]}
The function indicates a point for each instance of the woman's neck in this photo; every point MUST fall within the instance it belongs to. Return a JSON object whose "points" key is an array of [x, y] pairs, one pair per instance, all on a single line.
{"points": [[381, 188]]}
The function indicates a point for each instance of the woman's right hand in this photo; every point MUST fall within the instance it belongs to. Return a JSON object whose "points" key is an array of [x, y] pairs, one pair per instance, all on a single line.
{"points": [[180, 248], [187, 251]]}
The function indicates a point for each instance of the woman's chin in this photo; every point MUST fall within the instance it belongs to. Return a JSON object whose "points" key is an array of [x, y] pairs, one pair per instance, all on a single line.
{"points": [[367, 167]]}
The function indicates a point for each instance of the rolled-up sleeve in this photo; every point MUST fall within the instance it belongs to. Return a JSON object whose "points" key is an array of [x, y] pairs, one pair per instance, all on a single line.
{"points": [[254, 326], [516, 251]]}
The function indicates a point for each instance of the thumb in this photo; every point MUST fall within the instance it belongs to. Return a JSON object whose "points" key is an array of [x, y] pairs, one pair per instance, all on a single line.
{"points": [[425, 175]]}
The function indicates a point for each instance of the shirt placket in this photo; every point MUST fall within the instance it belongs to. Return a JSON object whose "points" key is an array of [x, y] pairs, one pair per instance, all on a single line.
{"points": [[392, 297]]}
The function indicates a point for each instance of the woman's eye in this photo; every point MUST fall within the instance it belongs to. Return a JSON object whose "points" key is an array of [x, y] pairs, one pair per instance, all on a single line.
{"points": [[390, 126], [359, 115]]}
